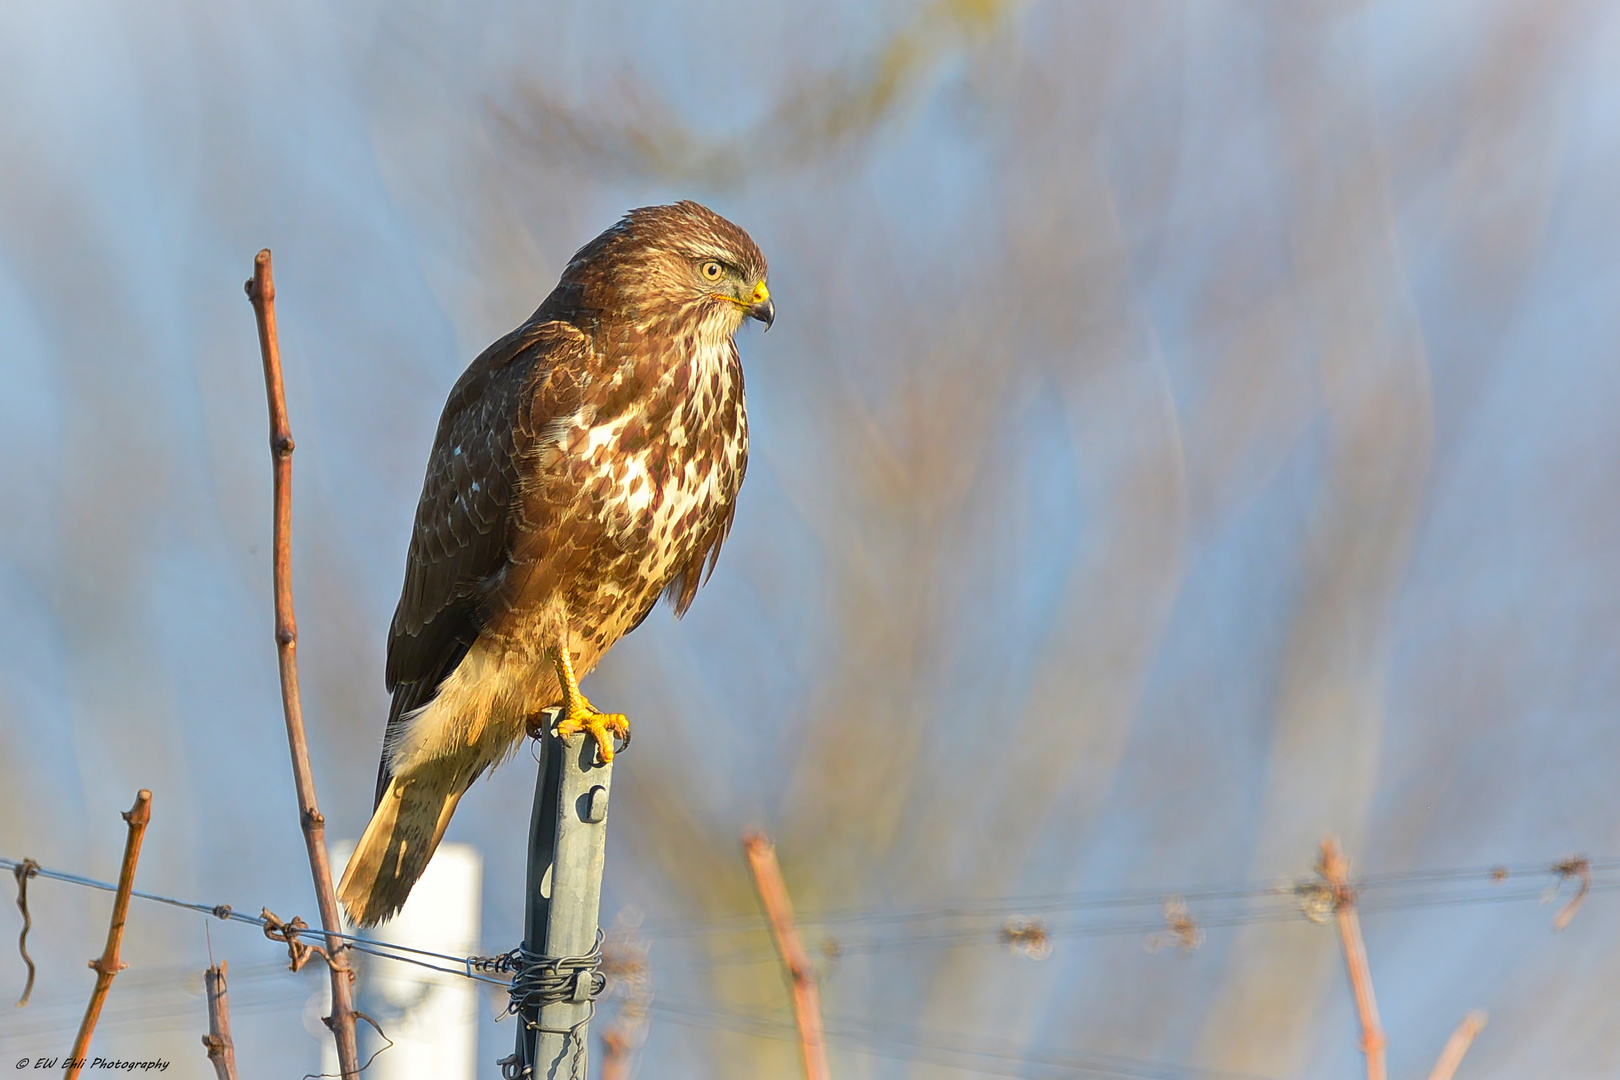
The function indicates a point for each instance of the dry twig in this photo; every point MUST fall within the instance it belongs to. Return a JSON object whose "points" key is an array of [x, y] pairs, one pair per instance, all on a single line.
{"points": [[1458, 1045], [261, 290], [773, 895], [298, 950], [1336, 872], [1577, 866], [23, 871], [617, 1043], [221, 1051], [108, 964]]}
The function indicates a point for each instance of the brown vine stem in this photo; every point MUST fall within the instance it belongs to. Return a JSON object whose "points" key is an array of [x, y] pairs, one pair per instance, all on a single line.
{"points": [[1336, 870], [108, 964], [221, 1049], [1458, 1045], [261, 290], [773, 895]]}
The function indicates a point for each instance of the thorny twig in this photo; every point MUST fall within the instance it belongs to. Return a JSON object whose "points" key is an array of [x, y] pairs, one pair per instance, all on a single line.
{"points": [[1574, 866], [261, 290], [108, 964], [23, 871]]}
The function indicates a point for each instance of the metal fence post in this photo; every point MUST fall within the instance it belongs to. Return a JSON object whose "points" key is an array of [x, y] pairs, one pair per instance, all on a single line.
{"points": [[567, 839]]}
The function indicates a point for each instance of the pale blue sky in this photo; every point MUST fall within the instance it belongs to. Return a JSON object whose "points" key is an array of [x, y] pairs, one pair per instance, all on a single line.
{"points": [[1283, 355]]}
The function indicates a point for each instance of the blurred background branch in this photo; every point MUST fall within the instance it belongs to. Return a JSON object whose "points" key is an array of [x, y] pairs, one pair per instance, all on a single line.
{"points": [[628, 128]]}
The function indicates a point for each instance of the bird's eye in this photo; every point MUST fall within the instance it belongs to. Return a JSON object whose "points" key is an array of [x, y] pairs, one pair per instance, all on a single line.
{"points": [[713, 270]]}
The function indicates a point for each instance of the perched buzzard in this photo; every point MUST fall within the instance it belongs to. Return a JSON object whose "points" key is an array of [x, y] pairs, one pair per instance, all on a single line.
{"points": [[586, 464]]}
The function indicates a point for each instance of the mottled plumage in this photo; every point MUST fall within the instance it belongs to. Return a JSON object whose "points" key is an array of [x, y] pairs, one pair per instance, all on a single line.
{"points": [[585, 464]]}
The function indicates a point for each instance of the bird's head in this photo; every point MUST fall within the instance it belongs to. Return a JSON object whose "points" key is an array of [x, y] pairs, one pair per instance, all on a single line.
{"points": [[672, 268]]}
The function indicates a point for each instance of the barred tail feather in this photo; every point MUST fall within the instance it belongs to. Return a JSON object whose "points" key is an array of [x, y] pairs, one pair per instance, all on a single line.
{"points": [[405, 830]]}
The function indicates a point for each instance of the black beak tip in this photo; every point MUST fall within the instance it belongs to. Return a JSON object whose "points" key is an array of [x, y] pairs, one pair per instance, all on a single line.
{"points": [[764, 311]]}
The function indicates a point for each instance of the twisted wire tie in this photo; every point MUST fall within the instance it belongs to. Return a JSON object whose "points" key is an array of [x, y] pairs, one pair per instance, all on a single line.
{"points": [[538, 981]]}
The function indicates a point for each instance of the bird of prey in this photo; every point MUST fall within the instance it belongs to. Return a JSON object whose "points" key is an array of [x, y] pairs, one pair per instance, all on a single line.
{"points": [[586, 464]]}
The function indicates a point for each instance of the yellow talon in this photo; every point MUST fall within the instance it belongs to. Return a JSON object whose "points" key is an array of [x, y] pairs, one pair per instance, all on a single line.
{"points": [[578, 714], [601, 726]]}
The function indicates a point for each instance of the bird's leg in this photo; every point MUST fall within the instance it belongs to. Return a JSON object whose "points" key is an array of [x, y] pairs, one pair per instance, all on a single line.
{"points": [[578, 714]]}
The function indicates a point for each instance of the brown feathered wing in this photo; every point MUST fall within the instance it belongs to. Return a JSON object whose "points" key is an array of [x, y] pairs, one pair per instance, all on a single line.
{"points": [[460, 552]]}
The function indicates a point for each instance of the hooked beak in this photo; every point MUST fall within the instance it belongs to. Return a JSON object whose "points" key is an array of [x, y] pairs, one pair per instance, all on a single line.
{"points": [[760, 306]]}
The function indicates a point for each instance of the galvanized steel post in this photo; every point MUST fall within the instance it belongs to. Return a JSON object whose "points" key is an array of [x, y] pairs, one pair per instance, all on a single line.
{"points": [[567, 841]]}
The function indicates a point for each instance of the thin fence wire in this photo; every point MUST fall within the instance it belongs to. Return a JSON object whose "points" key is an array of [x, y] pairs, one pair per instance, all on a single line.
{"points": [[385, 949], [1056, 902], [169, 998], [1273, 902], [1270, 903], [1425, 889]]}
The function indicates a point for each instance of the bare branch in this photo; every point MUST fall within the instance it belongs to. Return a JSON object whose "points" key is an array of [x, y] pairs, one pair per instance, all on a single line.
{"points": [[643, 135], [1337, 872], [773, 895], [1458, 1045], [1576, 866], [261, 290], [221, 1050], [108, 964]]}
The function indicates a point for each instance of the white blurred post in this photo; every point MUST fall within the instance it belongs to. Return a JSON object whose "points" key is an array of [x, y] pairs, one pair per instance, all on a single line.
{"points": [[432, 1017]]}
